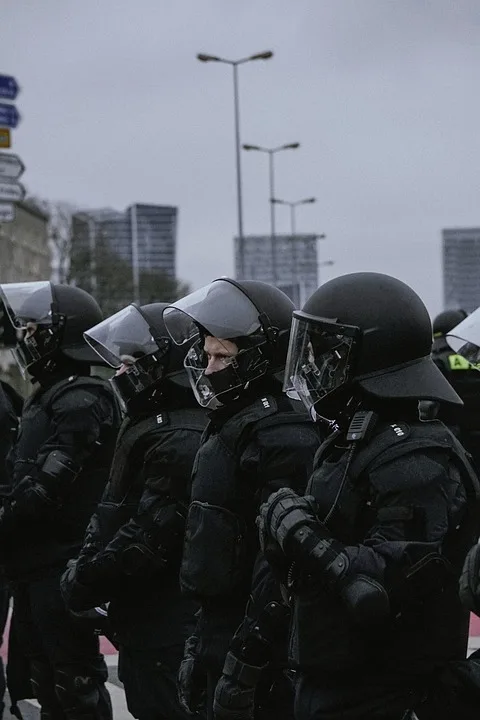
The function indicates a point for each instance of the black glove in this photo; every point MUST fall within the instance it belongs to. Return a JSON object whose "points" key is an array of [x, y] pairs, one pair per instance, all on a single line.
{"points": [[191, 679], [233, 701], [282, 514], [469, 584], [30, 497]]}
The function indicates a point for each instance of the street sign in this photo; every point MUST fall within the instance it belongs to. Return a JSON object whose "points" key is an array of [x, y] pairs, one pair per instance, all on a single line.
{"points": [[8, 87], [9, 115], [5, 140], [11, 167], [7, 212], [11, 191]]}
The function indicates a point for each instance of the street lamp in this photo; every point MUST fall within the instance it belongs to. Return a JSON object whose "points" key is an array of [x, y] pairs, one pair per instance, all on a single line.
{"points": [[202, 57], [293, 206], [271, 153]]}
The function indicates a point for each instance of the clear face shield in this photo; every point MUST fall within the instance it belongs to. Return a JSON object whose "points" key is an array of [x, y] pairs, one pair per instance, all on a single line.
{"points": [[228, 341], [464, 339], [127, 343], [30, 308], [319, 360]]}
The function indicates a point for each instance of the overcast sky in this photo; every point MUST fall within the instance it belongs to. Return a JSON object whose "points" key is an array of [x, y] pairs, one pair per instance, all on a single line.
{"points": [[383, 96]]}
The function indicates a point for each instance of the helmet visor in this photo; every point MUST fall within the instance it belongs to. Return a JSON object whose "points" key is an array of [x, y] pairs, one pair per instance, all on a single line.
{"points": [[464, 339], [28, 302], [123, 337], [320, 357], [218, 388], [220, 308]]}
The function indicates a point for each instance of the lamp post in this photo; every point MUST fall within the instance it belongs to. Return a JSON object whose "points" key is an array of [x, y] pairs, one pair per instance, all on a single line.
{"points": [[234, 64], [293, 206], [271, 173], [299, 283]]}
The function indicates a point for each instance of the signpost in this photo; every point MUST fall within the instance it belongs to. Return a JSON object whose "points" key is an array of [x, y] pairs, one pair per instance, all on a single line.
{"points": [[7, 212], [9, 116], [11, 167], [13, 192], [8, 87]]}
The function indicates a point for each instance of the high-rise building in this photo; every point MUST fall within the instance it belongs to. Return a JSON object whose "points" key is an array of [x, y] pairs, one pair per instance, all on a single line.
{"points": [[287, 262], [461, 268], [137, 245]]}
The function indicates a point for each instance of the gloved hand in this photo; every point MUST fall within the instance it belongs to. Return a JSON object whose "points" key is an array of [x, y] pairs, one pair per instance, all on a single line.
{"points": [[235, 692], [233, 701], [282, 514], [29, 498], [191, 679], [469, 584]]}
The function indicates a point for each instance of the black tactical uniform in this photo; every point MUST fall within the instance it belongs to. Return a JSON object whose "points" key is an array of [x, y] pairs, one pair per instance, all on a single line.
{"points": [[255, 442], [464, 421], [133, 546], [59, 467], [10, 411], [378, 543]]}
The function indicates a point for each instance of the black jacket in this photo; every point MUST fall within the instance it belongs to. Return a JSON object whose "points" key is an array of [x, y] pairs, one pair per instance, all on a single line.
{"points": [[249, 450], [406, 516], [466, 382], [133, 545], [45, 514]]}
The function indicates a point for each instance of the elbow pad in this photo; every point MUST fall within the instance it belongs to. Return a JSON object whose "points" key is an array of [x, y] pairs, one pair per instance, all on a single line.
{"points": [[364, 597], [58, 469]]}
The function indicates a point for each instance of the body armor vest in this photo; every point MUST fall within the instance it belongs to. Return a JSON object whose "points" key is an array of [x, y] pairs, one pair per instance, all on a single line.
{"points": [[221, 539], [322, 635], [45, 543], [137, 437]]}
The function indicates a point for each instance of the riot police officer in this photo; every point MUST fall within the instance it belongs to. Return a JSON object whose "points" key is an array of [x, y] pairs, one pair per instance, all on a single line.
{"points": [[133, 546], [10, 410], [377, 544], [465, 380], [58, 470], [464, 341], [254, 443]]}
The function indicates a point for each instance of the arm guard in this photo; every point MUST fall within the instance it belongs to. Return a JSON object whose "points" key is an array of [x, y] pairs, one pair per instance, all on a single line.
{"points": [[36, 494], [290, 520]]}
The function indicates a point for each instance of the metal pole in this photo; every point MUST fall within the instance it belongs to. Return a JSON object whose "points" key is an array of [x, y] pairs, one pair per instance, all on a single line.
{"points": [[92, 238], [271, 172], [134, 240], [238, 163], [295, 256]]}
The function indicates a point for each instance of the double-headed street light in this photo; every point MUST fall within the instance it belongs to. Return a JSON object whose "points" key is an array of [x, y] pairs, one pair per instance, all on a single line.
{"points": [[234, 64], [271, 153], [293, 206]]}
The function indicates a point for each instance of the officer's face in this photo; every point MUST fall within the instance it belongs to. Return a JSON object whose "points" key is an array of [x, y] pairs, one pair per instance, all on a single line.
{"points": [[27, 332], [127, 362], [220, 353]]}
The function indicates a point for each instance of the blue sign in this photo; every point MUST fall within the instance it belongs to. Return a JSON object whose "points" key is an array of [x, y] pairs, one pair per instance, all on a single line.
{"points": [[8, 87], [9, 116]]}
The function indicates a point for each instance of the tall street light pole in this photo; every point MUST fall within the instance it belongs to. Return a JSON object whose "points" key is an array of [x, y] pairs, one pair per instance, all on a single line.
{"points": [[293, 206], [298, 282], [271, 173], [236, 106]]}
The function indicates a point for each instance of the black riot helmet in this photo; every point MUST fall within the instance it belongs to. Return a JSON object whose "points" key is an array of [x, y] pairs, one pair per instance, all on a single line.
{"points": [[253, 315], [446, 320], [364, 331], [136, 343], [49, 322]]}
